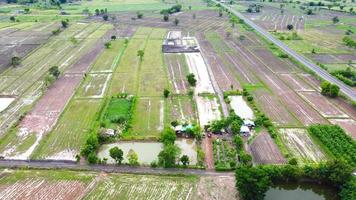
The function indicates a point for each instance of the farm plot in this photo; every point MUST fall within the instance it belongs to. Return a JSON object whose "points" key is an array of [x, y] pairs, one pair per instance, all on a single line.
{"points": [[217, 187], [94, 86], [144, 187], [265, 151], [152, 74], [322, 105], [272, 106], [22, 42], [349, 125], [125, 76], [199, 69], [301, 146], [42, 118], [275, 64], [108, 60], [295, 82], [70, 133], [178, 70], [151, 109], [208, 110], [240, 107], [223, 75], [182, 109], [24, 184]]}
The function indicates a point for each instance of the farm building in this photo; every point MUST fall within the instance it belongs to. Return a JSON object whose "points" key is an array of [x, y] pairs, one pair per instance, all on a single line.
{"points": [[175, 43], [249, 123], [244, 130]]}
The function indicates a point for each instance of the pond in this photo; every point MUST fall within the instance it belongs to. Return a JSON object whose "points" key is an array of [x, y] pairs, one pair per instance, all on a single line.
{"points": [[305, 191], [148, 151], [188, 147]]}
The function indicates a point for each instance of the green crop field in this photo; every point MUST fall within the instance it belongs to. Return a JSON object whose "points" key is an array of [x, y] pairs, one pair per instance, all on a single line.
{"points": [[71, 130]]}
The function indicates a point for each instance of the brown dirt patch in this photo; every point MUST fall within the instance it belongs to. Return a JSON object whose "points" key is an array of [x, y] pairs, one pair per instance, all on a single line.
{"points": [[217, 187], [208, 149], [41, 189], [265, 151]]}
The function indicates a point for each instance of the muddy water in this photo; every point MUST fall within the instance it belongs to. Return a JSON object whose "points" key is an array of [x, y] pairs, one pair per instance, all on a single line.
{"points": [[146, 151], [241, 108], [188, 147], [5, 102], [305, 191]]}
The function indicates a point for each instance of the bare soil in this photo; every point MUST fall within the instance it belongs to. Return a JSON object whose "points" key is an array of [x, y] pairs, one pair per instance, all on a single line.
{"points": [[265, 151]]}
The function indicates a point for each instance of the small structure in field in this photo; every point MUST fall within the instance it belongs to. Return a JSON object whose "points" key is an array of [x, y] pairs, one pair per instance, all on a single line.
{"points": [[249, 123], [108, 132], [244, 130], [175, 43]]}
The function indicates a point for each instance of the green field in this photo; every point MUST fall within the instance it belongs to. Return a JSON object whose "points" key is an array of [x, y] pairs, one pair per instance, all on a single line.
{"points": [[71, 130]]}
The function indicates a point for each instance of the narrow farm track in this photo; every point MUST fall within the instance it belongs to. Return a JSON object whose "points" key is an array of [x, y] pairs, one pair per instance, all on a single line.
{"points": [[348, 91], [63, 164]]}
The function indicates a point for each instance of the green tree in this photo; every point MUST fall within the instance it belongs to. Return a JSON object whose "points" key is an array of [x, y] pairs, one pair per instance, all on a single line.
{"points": [[325, 87], [113, 37], [293, 161], [140, 53], [168, 156], [176, 21], [15, 61], [139, 15], [334, 90], [92, 158], [290, 27], [335, 20], [12, 18], [105, 17], [54, 71], [166, 93], [64, 23], [252, 183], [166, 17], [238, 142], [107, 45], [235, 127], [168, 136], [185, 160], [132, 157], [191, 79], [117, 154]]}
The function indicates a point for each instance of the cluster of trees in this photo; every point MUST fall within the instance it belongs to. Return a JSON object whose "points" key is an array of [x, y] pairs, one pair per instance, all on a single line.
{"points": [[254, 8], [53, 74], [253, 182], [335, 139], [349, 42], [118, 155], [329, 89], [348, 76], [191, 79], [169, 155], [172, 10]]}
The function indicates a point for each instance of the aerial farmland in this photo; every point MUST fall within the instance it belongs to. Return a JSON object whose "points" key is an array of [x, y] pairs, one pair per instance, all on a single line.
{"points": [[187, 99]]}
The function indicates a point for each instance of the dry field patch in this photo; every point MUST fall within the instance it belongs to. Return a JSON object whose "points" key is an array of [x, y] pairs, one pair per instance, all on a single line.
{"points": [[301, 145], [265, 151]]}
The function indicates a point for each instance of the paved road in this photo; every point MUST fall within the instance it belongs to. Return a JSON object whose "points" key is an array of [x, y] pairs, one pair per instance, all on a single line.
{"points": [[57, 164], [348, 91]]}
